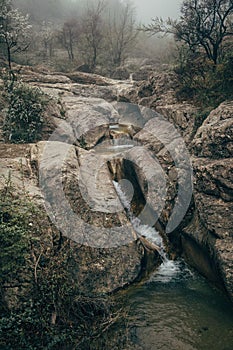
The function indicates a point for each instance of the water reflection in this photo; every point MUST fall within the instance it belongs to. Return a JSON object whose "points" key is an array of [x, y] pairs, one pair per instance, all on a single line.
{"points": [[184, 313]]}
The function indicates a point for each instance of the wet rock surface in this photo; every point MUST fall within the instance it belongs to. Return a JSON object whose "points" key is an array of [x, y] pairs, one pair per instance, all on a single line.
{"points": [[89, 104], [107, 253], [206, 230], [213, 185]]}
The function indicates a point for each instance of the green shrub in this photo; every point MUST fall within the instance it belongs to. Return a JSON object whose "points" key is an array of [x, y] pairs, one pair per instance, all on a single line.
{"points": [[38, 281], [13, 236], [201, 81], [25, 116]]}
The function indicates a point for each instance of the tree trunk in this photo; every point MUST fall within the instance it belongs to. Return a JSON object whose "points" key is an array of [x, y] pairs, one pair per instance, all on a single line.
{"points": [[94, 57], [71, 52], [9, 57], [215, 54]]}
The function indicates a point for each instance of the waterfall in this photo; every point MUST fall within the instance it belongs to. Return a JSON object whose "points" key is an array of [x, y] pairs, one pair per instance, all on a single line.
{"points": [[124, 142], [131, 77], [143, 230], [169, 268]]}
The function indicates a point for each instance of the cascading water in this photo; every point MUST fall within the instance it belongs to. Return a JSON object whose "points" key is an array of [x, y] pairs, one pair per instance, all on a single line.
{"points": [[123, 142], [175, 308], [120, 141], [169, 269]]}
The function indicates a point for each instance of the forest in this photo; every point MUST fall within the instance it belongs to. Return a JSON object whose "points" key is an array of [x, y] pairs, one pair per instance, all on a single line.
{"points": [[98, 35], [104, 37]]}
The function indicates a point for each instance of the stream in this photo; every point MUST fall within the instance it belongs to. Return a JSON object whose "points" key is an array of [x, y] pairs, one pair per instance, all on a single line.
{"points": [[184, 312], [176, 308]]}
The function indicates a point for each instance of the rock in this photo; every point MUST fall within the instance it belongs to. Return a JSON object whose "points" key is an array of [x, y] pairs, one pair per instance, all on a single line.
{"points": [[97, 270], [77, 185], [15, 170], [86, 78], [76, 84], [182, 116], [103, 271], [214, 178], [30, 76], [121, 73], [158, 93], [214, 139], [160, 84], [213, 194], [79, 193], [208, 223], [156, 167], [143, 73], [90, 119], [85, 68]]}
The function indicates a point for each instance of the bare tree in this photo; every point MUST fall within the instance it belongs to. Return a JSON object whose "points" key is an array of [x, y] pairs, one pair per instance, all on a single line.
{"points": [[203, 24], [68, 36], [121, 33], [48, 38], [14, 30], [93, 32]]}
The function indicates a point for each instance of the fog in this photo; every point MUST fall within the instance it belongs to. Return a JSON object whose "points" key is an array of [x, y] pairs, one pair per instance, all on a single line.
{"points": [[59, 9], [148, 9]]}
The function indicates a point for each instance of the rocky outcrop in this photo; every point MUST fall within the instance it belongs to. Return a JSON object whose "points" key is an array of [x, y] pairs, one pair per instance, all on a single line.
{"points": [[205, 234], [121, 73], [167, 171], [88, 79], [88, 211], [211, 226], [107, 255], [76, 181], [158, 93], [206, 231], [143, 73], [214, 138]]}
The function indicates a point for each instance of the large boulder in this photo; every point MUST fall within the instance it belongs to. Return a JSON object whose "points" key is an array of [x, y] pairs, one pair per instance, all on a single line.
{"points": [[89, 119], [165, 161], [206, 231], [211, 227], [159, 94], [82, 203], [86, 78], [214, 139], [121, 73]]}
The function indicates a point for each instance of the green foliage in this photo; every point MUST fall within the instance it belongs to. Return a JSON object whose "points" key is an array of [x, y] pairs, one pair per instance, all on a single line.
{"points": [[14, 30], [203, 82], [40, 303], [13, 231], [24, 120], [204, 26]]}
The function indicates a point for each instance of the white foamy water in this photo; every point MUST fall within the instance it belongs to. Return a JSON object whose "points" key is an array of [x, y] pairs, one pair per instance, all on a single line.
{"points": [[172, 271], [114, 126], [148, 232], [117, 145], [169, 269], [121, 146]]}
